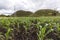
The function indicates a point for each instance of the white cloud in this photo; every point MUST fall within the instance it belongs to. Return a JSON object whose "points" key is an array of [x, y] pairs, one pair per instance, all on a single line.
{"points": [[33, 5], [7, 6], [6, 12]]}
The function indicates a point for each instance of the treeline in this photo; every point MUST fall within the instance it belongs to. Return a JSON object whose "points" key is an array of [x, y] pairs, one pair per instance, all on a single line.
{"points": [[42, 12]]}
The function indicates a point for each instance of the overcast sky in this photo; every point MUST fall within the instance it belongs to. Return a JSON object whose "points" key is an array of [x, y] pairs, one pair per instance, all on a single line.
{"points": [[7, 6]]}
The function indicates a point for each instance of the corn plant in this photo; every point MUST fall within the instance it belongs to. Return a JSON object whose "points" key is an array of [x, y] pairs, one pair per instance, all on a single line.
{"points": [[42, 32]]}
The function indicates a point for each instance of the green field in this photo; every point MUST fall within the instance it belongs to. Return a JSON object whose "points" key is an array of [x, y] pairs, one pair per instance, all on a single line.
{"points": [[30, 28]]}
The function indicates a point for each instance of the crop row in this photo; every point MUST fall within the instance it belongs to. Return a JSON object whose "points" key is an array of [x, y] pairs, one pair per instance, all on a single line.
{"points": [[30, 28]]}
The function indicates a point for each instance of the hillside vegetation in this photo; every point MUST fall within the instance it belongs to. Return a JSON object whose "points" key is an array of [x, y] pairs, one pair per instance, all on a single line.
{"points": [[46, 12], [42, 12], [22, 13]]}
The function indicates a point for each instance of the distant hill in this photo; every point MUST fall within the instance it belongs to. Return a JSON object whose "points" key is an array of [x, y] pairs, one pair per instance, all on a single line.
{"points": [[22, 13], [42, 12], [46, 12]]}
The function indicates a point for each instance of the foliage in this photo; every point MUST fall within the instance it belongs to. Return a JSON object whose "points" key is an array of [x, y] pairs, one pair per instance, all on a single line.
{"points": [[22, 13], [29, 28], [46, 12], [38, 13]]}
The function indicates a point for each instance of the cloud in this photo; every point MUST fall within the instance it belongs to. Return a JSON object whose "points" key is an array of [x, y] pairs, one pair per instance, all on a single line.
{"points": [[8, 6], [6, 12], [33, 5]]}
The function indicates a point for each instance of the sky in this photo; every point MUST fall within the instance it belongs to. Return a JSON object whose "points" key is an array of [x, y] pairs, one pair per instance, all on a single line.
{"points": [[10, 6]]}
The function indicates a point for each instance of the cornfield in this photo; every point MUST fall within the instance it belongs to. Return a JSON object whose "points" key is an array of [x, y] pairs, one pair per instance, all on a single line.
{"points": [[30, 28]]}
